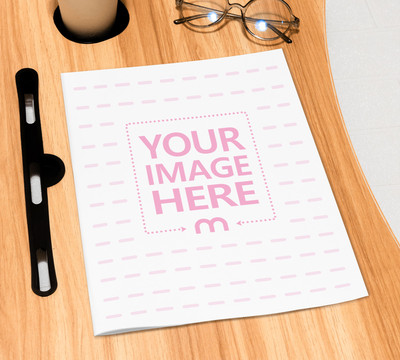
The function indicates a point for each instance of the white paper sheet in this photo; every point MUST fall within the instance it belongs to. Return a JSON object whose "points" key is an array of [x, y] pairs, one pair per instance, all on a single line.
{"points": [[201, 195]]}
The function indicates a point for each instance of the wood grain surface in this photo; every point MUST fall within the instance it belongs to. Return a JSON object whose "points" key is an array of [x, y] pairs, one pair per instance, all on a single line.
{"points": [[59, 326]]}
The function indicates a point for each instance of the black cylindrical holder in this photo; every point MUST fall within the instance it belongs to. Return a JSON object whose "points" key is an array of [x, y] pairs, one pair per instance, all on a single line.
{"points": [[120, 24]]}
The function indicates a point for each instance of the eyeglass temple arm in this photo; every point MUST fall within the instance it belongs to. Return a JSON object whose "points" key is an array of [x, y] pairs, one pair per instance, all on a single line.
{"points": [[234, 16]]}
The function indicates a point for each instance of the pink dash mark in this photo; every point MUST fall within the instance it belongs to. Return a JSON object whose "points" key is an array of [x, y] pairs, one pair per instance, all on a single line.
{"points": [[130, 257], [149, 101], [312, 273], [163, 291], [330, 233], [85, 126], [280, 86], [216, 303], [82, 107], [87, 147], [106, 261], [111, 163], [114, 316], [270, 127], [337, 269], [188, 78], [216, 95], [106, 123], [101, 225], [157, 272], [292, 202], [201, 248], [115, 298], [135, 295], [251, 71], [210, 76], [302, 162], [100, 86], [342, 285], [281, 165], [120, 201], [96, 204], [80, 88], [330, 251], [167, 308], [241, 300], [120, 182], [237, 92], [229, 245], [179, 251], [207, 266], [283, 257], [263, 279], [212, 285], [272, 146], [297, 220], [146, 82], [290, 124], [193, 97], [238, 282], [130, 276], [263, 107], [139, 312], [126, 240], [125, 103], [320, 217], [158, 253], [123, 221], [307, 254], [164, 81], [317, 290], [232, 73], [233, 263], [281, 105], [190, 306], [278, 240], [104, 243], [298, 142], [286, 183], [302, 237], [267, 297], [93, 186], [171, 99], [258, 89], [258, 260], [307, 180], [187, 288], [290, 276], [274, 67], [122, 84], [108, 279], [184, 268], [254, 243], [101, 106], [294, 293], [314, 199]]}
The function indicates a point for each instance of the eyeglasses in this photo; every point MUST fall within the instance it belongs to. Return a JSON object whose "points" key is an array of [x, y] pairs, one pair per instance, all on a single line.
{"points": [[263, 19]]}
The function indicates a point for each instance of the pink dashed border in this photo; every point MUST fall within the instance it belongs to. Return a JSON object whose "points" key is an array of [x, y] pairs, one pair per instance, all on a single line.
{"points": [[240, 222]]}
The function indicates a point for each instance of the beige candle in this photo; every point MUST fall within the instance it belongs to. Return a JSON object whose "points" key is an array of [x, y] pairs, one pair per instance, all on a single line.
{"points": [[88, 18]]}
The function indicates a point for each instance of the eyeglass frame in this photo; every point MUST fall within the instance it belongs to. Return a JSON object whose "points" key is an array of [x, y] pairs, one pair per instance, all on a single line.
{"points": [[294, 21]]}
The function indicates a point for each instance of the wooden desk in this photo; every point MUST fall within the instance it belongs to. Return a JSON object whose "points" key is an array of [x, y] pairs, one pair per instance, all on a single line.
{"points": [[59, 326]]}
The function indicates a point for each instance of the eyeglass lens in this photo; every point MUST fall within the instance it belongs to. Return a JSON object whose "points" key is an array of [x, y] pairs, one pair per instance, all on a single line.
{"points": [[203, 12]]}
